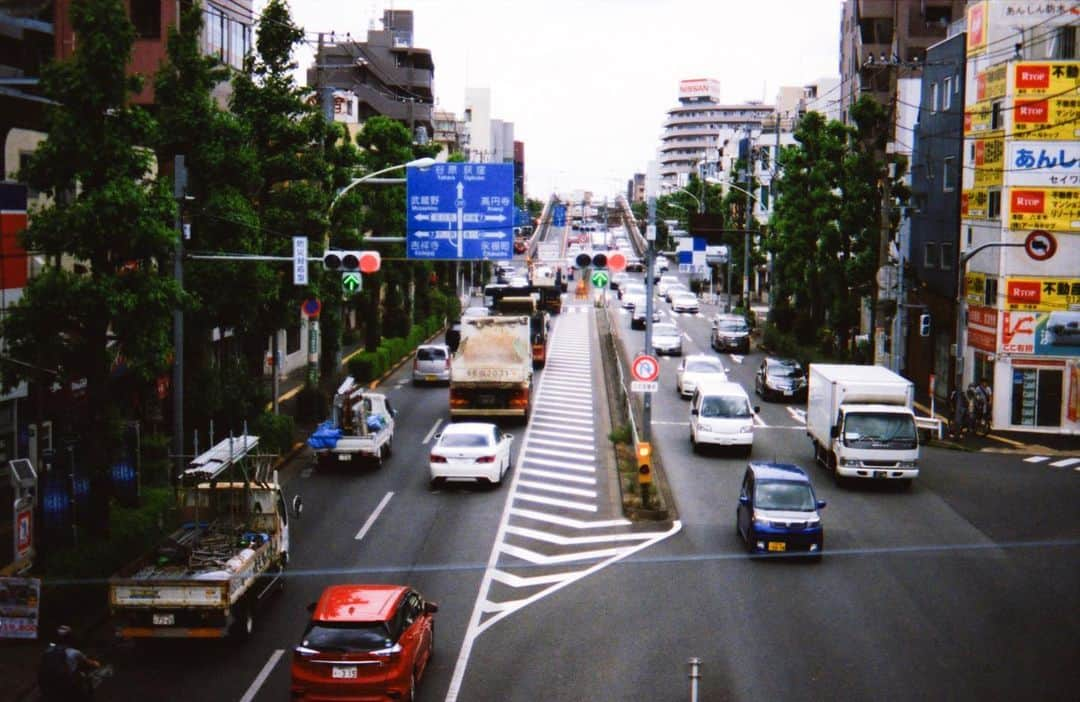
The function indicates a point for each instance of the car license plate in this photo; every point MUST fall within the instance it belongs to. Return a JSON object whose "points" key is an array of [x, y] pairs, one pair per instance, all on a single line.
{"points": [[879, 474], [777, 546], [164, 619], [343, 672], [343, 456], [788, 393], [430, 377]]}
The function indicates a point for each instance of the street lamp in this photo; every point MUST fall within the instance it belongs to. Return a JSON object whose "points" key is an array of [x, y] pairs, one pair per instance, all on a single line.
{"points": [[425, 162]]}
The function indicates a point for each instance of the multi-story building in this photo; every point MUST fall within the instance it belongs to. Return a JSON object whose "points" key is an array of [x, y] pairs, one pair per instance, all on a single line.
{"points": [[693, 129], [1021, 184], [896, 32], [519, 169], [450, 132], [387, 75], [934, 210]]}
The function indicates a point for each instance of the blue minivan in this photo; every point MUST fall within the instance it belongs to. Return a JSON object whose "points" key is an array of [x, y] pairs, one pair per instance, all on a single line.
{"points": [[778, 511]]}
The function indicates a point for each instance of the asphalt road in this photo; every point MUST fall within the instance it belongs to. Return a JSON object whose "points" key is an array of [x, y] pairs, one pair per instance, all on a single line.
{"points": [[966, 586]]}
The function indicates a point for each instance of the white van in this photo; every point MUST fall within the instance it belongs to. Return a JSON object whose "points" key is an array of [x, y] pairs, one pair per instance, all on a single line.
{"points": [[720, 414]]}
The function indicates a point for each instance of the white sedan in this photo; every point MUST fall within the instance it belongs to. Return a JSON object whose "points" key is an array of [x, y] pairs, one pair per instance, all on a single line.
{"points": [[470, 451], [696, 369], [685, 302]]}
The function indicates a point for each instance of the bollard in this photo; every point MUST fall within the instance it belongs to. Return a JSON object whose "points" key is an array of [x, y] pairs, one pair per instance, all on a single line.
{"points": [[695, 675]]}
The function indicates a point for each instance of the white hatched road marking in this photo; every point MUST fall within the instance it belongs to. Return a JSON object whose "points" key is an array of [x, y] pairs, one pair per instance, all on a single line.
{"points": [[1036, 459], [1065, 463], [555, 424]]}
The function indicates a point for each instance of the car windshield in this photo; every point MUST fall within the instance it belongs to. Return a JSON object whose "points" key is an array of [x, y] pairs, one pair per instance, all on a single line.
{"points": [[704, 367], [785, 370], [733, 325], [431, 355], [347, 636], [464, 440], [795, 497], [665, 330], [731, 407], [879, 428]]}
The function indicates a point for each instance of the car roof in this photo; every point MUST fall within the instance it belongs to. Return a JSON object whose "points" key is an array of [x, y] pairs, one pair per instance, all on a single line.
{"points": [[777, 361], [357, 603], [778, 471], [721, 387]]}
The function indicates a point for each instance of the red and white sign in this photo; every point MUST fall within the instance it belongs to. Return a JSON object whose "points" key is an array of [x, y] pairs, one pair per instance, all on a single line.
{"points": [[24, 533], [1018, 332], [1023, 292], [982, 328], [699, 87], [645, 368], [1033, 112], [1030, 75], [1040, 245], [1029, 201]]}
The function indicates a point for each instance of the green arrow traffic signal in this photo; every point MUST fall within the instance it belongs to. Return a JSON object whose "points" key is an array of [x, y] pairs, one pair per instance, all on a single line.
{"points": [[599, 279], [350, 282]]}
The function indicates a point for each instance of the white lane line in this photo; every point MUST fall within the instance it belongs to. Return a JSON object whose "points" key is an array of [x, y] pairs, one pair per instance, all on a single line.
{"points": [[551, 501], [737, 359], [579, 467], [582, 456], [563, 432], [1036, 459], [564, 413], [560, 397], [374, 515], [562, 489], [554, 475], [564, 382], [517, 581], [582, 443], [1065, 463], [540, 559], [434, 428], [262, 676], [549, 538], [568, 522], [758, 421]]}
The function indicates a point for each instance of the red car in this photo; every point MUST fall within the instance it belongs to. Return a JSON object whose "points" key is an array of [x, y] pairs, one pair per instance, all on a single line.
{"points": [[364, 642]]}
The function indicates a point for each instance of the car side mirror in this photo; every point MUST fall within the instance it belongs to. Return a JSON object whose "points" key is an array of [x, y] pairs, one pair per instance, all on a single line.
{"points": [[393, 413], [821, 504], [431, 607], [834, 431], [693, 413], [757, 409], [744, 500], [297, 506], [508, 437]]}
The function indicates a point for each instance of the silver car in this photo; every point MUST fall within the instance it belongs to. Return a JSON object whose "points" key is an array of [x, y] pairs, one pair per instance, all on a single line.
{"points": [[431, 364], [666, 338], [685, 302]]}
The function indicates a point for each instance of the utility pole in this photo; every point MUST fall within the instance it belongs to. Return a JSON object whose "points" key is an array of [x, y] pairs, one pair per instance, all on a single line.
{"points": [[746, 223], [180, 194], [650, 256]]}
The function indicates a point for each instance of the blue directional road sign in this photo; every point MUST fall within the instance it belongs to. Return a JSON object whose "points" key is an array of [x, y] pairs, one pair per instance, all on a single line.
{"points": [[558, 216], [460, 211]]}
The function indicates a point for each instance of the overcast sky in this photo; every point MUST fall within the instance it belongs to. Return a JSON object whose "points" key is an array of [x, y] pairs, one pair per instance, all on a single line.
{"points": [[587, 83]]}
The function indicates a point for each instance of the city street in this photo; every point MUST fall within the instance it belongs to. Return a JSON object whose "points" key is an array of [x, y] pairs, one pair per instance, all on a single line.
{"points": [[959, 587]]}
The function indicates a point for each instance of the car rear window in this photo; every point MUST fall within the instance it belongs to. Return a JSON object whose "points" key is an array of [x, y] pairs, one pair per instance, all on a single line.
{"points": [[431, 355], [464, 440], [347, 636]]}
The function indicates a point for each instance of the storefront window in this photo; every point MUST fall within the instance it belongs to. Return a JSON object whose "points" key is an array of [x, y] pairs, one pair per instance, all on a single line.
{"points": [[1036, 397]]}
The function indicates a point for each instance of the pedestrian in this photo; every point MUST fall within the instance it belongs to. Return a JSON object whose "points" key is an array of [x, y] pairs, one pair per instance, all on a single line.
{"points": [[63, 668], [987, 392], [960, 407]]}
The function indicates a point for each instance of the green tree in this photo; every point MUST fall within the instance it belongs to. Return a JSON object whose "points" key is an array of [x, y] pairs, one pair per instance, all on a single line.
{"points": [[222, 166], [114, 219]]}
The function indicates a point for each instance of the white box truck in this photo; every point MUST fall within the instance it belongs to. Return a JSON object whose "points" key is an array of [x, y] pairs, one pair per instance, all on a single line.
{"points": [[861, 422]]}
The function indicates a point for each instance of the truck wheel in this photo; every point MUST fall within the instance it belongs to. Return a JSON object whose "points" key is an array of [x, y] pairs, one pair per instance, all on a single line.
{"points": [[390, 447]]}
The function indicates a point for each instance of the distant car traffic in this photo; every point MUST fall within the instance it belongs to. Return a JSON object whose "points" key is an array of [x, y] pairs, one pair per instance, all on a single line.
{"points": [[778, 511], [364, 642], [665, 282], [698, 368], [720, 414], [675, 289], [780, 378], [431, 364], [666, 338], [685, 302], [473, 451], [628, 292], [730, 332]]}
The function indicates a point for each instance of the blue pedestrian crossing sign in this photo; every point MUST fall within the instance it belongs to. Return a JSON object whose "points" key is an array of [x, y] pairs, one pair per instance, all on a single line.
{"points": [[460, 211]]}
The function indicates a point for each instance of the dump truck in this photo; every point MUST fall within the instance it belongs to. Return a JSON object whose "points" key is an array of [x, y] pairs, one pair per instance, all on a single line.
{"points": [[491, 372], [861, 422], [539, 323], [209, 577], [360, 428]]}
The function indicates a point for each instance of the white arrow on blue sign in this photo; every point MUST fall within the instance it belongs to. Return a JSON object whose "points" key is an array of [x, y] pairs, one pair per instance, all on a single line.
{"points": [[460, 211]]}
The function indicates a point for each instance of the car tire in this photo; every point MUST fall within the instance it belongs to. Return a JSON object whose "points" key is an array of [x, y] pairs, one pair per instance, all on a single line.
{"points": [[694, 447], [435, 483]]}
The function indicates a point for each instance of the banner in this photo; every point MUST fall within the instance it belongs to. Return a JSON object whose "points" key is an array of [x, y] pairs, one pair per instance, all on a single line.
{"points": [[976, 28], [1051, 209], [1044, 79], [19, 604], [990, 84], [973, 204], [1072, 406], [1040, 333], [1049, 119], [989, 160], [977, 119], [1042, 294], [975, 288], [1043, 163]]}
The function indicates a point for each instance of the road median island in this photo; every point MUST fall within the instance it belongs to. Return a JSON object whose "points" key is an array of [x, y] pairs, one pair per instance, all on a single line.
{"points": [[626, 419]]}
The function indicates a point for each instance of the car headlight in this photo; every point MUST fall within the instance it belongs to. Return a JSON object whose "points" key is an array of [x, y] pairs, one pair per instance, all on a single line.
{"points": [[746, 429], [907, 465], [760, 523], [849, 462]]}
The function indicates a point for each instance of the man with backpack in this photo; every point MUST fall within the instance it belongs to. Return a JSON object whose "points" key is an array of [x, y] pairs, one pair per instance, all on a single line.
{"points": [[62, 673]]}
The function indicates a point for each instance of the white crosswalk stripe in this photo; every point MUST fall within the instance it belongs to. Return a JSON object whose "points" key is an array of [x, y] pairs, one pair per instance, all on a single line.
{"points": [[1065, 463], [1036, 459]]}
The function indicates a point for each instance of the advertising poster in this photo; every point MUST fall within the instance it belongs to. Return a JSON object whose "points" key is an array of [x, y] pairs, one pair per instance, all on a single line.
{"points": [[977, 120], [1032, 79], [1072, 406], [1040, 333], [982, 328], [975, 288], [1051, 209], [973, 204], [989, 159], [19, 601], [976, 28], [990, 84], [1043, 163], [1048, 119], [1043, 294]]}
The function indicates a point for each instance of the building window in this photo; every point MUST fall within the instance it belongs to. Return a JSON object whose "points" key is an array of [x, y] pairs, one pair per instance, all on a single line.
{"points": [[990, 292], [146, 16], [930, 254], [993, 204], [1064, 43], [956, 84], [946, 255], [935, 99], [763, 198], [948, 180], [946, 98], [1036, 397], [995, 115]]}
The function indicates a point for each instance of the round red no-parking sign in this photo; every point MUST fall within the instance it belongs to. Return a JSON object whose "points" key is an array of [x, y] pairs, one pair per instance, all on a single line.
{"points": [[1040, 245], [645, 368]]}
